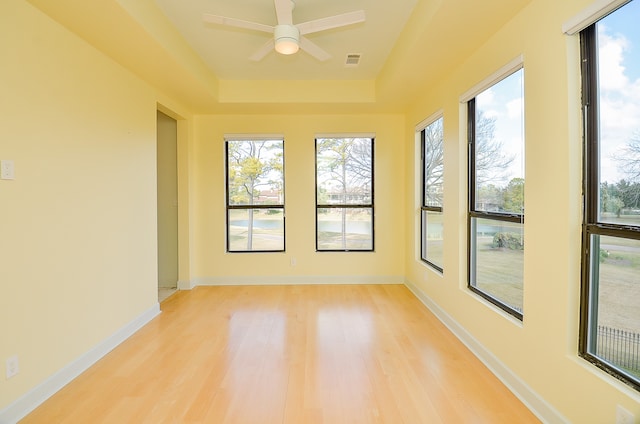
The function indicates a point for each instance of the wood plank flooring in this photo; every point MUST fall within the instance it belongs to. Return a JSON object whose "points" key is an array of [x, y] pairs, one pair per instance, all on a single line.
{"points": [[288, 354]]}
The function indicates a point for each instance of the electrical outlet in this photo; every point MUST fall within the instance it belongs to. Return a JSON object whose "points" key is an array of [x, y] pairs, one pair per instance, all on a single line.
{"points": [[293, 261], [13, 367], [624, 417]]}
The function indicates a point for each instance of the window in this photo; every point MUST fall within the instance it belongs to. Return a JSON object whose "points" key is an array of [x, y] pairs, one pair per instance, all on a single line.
{"points": [[344, 194], [610, 315], [255, 195], [496, 193], [432, 183]]}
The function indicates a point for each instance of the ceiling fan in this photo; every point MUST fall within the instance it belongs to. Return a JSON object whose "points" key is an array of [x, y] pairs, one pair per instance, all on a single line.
{"points": [[287, 36]]}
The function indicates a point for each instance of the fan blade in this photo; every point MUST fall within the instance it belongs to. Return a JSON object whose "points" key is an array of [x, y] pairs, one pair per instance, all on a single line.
{"points": [[284, 11], [262, 51], [223, 20], [331, 22], [313, 49]]}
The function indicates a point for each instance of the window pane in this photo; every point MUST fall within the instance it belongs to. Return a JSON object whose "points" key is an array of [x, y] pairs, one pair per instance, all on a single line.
{"points": [[345, 229], [433, 164], [499, 146], [498, 260], [619, 106], [344, 171], [256, 229], [255, 172], [432, 250], [615, 290]]}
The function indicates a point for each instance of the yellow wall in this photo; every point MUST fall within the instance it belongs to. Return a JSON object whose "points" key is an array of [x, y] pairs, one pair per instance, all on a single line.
{"points": [[542, 350], [210, 262], [78, 223]]}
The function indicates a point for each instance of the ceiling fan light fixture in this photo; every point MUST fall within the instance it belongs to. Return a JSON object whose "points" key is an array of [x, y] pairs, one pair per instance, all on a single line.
{"points": [[286, 39]]}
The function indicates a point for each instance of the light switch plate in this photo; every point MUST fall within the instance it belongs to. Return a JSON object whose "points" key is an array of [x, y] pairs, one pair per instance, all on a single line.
{"points": [[624, 417], [6, 170], [12, 367]]}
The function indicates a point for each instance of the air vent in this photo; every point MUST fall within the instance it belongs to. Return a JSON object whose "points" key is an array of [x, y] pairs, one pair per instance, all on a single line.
{"points": [[353, 59]]}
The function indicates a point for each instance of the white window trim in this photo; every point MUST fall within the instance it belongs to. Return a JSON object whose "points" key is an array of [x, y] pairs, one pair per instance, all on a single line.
{"points": [[596, 11], [430, 120], [248, 137], [346, 135], [508, 69]]}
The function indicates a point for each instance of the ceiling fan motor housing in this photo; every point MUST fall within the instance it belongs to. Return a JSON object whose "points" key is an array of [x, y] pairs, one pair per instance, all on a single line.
{"points": [[286, 39]]}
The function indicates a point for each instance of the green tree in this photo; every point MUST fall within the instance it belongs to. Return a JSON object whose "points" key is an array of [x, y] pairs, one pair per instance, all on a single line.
{"points": [[513, 196], [489, 197], [610, 200]]}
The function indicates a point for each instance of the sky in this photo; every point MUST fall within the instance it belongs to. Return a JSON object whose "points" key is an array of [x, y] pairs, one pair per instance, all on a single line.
{"points": [[504, 102], [619, 65]]}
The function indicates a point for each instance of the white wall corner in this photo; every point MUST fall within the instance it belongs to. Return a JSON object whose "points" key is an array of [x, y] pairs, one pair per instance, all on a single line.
{"points": [[186, 285], [539, 406], [36, 396]]}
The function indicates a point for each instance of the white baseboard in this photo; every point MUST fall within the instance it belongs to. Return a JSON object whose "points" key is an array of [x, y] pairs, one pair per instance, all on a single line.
{"points": [[31, 400], [185, 285], [540, 407], [297, 280]]}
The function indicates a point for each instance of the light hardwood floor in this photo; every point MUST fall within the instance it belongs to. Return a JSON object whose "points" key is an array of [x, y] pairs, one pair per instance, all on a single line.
{"points": [[288, 354]]}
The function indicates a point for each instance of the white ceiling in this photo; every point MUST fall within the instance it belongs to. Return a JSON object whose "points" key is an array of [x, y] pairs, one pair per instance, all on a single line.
{"points": [[406, 47], [226, 50]]}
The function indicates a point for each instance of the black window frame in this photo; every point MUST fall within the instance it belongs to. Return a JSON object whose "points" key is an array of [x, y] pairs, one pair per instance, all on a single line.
{"points": [[475, 214], [592, 225], [231, 207], [425, 207], [370, 205]]}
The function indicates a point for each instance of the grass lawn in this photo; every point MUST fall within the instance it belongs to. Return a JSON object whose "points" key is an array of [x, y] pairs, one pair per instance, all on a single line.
{"points": [[499, 272]]}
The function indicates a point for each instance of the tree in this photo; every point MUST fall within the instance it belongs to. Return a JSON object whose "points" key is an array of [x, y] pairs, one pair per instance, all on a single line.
{"points": [[492, 164], [514, 196], [345, 168], [489, 197], [610, 200], [252, 165], [433, 163], [628, 160]]}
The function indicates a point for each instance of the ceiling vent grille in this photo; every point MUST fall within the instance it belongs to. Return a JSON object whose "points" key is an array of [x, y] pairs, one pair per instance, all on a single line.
{"points": [[352, 60]]}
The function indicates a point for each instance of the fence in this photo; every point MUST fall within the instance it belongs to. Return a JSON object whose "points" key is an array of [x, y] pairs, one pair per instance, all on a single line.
{"points": [[619, 347]]}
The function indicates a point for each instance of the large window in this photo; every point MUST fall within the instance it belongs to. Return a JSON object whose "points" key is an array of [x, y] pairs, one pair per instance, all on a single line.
{"points": [[496, 193], [255, 195], [432, 183], [610, 316], [344, 194]]}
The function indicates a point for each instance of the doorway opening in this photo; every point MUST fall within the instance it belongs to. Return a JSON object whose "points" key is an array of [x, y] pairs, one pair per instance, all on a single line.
{"points": [[167, 188]]}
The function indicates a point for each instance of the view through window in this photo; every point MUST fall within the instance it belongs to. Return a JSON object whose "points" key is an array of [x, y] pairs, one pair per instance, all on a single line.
{"points": [[610, 322], [344, 194], [432, 146], [496, 193], [255, 195]]}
